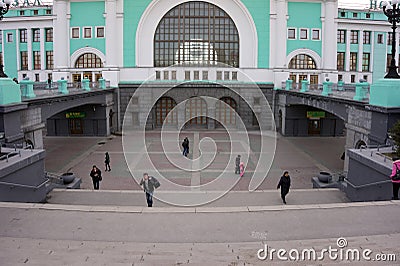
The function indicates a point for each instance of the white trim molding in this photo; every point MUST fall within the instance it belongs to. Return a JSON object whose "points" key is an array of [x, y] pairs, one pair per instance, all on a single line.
{"points": [[248, 40], [308, 52], [86, 50]]}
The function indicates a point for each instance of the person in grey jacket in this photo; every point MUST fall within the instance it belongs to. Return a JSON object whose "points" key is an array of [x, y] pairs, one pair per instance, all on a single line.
{"points": [[149, 183]]}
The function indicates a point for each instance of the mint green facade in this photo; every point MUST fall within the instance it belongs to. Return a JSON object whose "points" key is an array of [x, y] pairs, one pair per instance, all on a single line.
{"points": [[258, 9], [307, 16], [10, 54], [9, 91], [385, 93], [87, 14], [379, 51]]}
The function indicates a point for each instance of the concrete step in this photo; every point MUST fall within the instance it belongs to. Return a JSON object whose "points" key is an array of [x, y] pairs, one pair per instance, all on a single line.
{"points": [[230, 199]]}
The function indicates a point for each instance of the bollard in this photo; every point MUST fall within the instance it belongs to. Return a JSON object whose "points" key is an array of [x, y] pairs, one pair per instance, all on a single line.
{"points": [[27, 91], [102, 83], [289, 84], [62, 86], [327, 88], [361, 91], [304, 85], [85, 84]]}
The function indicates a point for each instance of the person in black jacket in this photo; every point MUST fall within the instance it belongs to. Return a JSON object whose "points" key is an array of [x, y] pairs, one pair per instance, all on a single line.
{"points": [[284, 185], [96, 177], [149, 183]]}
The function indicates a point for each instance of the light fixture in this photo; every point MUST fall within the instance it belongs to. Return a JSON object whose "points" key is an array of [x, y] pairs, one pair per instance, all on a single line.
{"points": [[392, 12], [4, 7]]}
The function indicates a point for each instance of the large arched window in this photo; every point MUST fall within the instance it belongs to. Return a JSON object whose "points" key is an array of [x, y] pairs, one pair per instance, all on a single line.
{"points": [[88, 60], [302, 61], [196, 33]]}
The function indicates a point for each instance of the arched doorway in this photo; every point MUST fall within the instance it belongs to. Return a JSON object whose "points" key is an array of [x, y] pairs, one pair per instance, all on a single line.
{"points": [[163, 108], [88, 62], [226, 111], [196, 33], [303, 67], [196, 109]]}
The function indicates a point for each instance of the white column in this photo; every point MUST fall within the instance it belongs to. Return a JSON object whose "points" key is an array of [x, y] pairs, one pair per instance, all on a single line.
{"points": [[29, 45], [61, 36], [280, 37], [347, 55], [42, 50], [111, 34], [371, 55], [329, 53], [18, 41], [360, 53]]}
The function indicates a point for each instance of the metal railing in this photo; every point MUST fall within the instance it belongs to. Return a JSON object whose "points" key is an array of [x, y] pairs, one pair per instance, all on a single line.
{"points": [[10, 154], [12, 185], [366, 185]]}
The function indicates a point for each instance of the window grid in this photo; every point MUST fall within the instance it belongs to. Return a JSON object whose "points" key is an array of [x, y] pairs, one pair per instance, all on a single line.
{"points": [[292, 34], [341, 36], [49, 60], [315, 35], [367, 37], [23, 35], [87, 33], [354, 36], [75, 33], [365, 62], [303, 34], [100, 32], [340, 61], [49, 35], [302, 61], [88, 60], [36, 35], [390, 38], [353, 61], [36, 60], [24, 60], [380, 38], [196, 33]]}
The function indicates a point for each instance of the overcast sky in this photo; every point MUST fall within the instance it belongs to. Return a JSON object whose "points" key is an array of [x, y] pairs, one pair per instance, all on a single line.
{"points": [[359, 4]]}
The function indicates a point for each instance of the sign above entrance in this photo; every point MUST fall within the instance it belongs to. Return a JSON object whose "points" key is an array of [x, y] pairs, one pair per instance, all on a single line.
{"points": [[315, 114], [72, 115]]}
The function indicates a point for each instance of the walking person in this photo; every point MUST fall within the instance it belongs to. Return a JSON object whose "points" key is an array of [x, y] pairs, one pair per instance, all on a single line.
{"points": [[107, 162], [395, 176], [185, 146], [237, 165], [149, 183], [284, 185], [96, 177]]}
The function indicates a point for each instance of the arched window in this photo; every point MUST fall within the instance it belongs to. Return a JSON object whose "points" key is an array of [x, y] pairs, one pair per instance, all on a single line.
{"points": [[302, 61], [196, 33], [88, 60]]}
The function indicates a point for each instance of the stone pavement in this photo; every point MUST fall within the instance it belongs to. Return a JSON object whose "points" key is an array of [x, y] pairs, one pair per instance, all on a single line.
{"points": [[45, 234], [303, 157]]}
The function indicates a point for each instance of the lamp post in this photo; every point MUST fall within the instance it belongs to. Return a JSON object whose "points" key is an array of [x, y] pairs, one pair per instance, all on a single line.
{"points": [[4, 6], [392, 11]]}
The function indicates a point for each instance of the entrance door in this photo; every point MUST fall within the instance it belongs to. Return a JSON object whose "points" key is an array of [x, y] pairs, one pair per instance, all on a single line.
{"points": [[97, 76], [302, 77], [75, 126], [163, 108], [196, 108], [226, 113], [88, 75], [314, 127]]}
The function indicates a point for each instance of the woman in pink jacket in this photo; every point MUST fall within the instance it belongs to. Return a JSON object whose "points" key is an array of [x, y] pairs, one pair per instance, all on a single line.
{"points": [[395, 183]]}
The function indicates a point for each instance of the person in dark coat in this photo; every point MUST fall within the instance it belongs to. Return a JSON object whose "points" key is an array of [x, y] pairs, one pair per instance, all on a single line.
{"points": [[237, 165], [185, 146], [284, 185], [107, 162], [96, 177], [149, 183]]}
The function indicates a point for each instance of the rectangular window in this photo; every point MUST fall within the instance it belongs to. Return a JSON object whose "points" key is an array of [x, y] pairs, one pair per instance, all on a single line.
{"points": [[353, 61], [365, 77], [10, 37], [355, 15], [21, 12], [24, 60], [234, 75], [173, 75], [196, 75], [205, 75], [340, 77], [37, 77], [158, 75], [23, 35], [353, 78], [219, 75], [87, 33], [368, 15], [303, 34], [354, 36], [365, 62], [388, 61], [48, 11], [49, 60], [49, 35], [341, 36], [291, 34], [35, 12], [342, 14], [100, 32], [36, 35], [36, 60], [340, 61], [390, 38], [187, 75], [380, 39], [315, 35], [166, 75], [75, 33], [1, 36], [367, 37]]}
